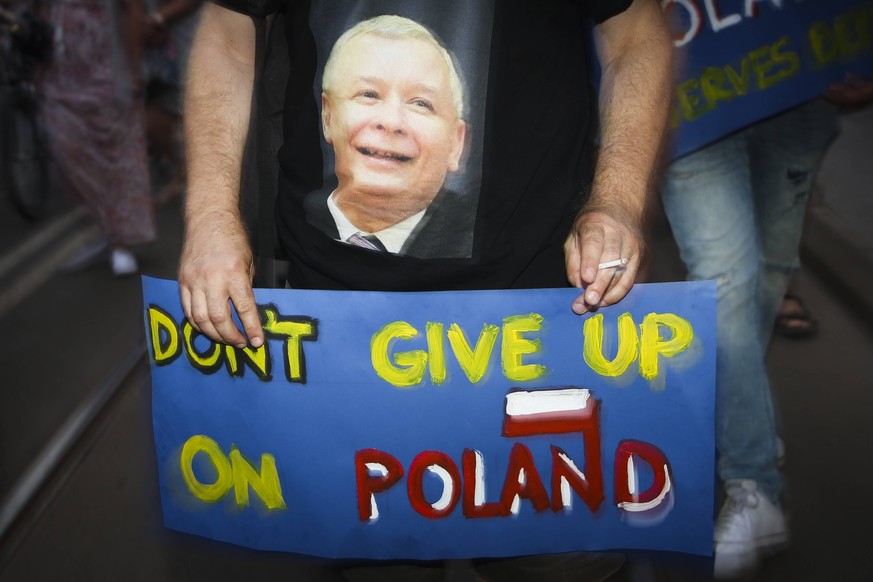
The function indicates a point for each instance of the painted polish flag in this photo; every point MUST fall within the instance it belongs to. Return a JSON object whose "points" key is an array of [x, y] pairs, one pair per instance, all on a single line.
{"points": [[553, 411]]}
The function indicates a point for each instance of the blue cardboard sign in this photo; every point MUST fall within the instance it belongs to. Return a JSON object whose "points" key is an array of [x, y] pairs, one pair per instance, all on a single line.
{"points": [[441, 425], [745, 60]]}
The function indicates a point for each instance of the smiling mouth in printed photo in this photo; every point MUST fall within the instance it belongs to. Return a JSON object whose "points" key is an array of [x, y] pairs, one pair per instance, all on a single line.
{"points": [[384, 154]]}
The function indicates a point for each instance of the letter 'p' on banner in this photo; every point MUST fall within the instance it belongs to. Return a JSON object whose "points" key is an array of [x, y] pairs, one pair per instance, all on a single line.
{"points": [[441, 425]]}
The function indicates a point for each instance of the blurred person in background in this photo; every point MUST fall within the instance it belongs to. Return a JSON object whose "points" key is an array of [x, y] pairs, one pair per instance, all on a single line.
{"points": [[25, 45], [737, 208], [92, 107], [794, 319], [169, 34]]}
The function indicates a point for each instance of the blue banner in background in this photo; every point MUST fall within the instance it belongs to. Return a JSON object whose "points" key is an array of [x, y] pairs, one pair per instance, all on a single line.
{"points": [[741, 61], [441, 425]]}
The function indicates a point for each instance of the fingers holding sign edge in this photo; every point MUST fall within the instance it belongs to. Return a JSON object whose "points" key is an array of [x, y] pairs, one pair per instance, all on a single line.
{"points": [[211, 314], [603, 255]]}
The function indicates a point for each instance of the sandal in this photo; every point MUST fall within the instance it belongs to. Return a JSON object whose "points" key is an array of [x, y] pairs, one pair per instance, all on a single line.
{"points": [[795, 321]]}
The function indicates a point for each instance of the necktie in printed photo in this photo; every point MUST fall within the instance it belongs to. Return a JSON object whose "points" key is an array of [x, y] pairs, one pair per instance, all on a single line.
{"points": [[367, 241]]}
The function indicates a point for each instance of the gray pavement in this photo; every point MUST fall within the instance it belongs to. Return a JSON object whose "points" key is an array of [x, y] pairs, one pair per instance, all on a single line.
{"points": [[846, 177], [78, 495], [69, 337], [838, 238]]}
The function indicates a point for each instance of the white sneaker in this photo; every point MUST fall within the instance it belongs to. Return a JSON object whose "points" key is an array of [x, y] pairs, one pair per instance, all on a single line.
{"points": [[123, 263], [749, 527]]}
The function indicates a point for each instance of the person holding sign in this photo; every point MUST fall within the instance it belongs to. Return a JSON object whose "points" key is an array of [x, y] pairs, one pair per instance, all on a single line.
{"points": [[390, 133], [540, 110]]}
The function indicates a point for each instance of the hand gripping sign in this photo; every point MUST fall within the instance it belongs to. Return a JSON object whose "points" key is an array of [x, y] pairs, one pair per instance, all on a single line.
{"points": [[441, 425]]}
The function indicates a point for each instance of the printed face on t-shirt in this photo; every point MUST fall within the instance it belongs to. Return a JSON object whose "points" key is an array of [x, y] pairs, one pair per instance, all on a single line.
{"points": [[391, 118]]}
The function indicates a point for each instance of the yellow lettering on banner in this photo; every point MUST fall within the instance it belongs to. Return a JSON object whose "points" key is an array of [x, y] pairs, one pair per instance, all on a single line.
{"points": [[294, 331], [773, 64], [165, 336], [210, 359], [712, 82], [823, 43], [626, 353], [474, 362], [224, 480], [410, 366], [651, 345], [740, 81], [767, 66], [259, 359], [515, 346], [234, 472], [167, 346], [854, 31], [850, 35], [265, 484], [231, 359], [437, 354], [690, 103]]}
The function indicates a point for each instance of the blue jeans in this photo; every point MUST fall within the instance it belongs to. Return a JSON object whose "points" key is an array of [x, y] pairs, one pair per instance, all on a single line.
{"points": [[736, 208]]}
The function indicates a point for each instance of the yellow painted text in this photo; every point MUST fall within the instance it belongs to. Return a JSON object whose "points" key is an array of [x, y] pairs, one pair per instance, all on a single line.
{"points": [[408, 368], [232, 472], [648, 346]]}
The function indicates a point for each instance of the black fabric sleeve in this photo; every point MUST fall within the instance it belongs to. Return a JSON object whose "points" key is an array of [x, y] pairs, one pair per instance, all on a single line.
{"points": [[258, 8], [601, 10]]}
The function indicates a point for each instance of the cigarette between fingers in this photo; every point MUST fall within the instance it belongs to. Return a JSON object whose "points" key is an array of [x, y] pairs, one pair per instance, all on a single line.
{"points": [[611, 264]]}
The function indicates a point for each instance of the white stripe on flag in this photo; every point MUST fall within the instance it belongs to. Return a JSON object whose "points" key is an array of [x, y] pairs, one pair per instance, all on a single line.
{"points": [[546, 401]]}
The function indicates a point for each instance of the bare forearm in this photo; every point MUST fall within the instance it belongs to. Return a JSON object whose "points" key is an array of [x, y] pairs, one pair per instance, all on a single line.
{"points": [[636, 55], [217, 107], [635, 99], [216, 264]]}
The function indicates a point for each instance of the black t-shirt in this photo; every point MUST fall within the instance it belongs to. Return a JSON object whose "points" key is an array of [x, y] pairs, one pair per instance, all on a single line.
{"points": [[458, 133]]}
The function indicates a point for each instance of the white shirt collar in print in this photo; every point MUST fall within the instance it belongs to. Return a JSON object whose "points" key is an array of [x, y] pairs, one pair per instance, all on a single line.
{"points": [[393, 237]]}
